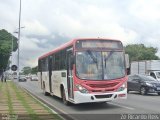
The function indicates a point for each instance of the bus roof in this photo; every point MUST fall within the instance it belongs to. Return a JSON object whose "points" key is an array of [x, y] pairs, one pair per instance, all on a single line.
{"points": [[71, 43]]}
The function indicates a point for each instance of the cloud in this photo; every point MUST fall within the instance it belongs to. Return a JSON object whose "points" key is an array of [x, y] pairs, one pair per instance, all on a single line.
{"points": [[34, 27], [50, 23], [146, 10], [32, 48]]}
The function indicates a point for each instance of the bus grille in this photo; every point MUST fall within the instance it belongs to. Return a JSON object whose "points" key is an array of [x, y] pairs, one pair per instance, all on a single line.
{"points": [[103, 85], [107, 90], [103, 96]]}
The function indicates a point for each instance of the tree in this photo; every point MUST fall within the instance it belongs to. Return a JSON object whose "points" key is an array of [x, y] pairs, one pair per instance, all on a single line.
{"points": [[26, 70], [34, 70], [141, 52], [6, 47]]}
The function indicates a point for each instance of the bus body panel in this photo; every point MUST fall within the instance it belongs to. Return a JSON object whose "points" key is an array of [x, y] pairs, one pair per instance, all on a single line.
{"points": [[103, 97], [39, 79], [79, 97], [45, 79], [57, 81]]}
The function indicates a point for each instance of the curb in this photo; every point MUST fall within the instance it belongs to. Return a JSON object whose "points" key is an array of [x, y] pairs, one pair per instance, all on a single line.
{"points": [[60, 113]]}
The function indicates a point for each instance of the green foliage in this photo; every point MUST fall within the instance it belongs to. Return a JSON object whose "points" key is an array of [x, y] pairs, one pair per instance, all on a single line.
{"points": [[26, 70], [34, 70], [6, 47], [141, 52]]}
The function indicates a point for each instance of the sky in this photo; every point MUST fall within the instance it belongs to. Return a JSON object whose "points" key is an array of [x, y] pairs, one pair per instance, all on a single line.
{"points": [[50, 23]]}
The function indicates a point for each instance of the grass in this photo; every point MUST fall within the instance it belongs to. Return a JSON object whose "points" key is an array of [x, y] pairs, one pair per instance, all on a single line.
{"points": [[28, 108], [10, 91], [49, 110], [9, 101], [46, 108]]}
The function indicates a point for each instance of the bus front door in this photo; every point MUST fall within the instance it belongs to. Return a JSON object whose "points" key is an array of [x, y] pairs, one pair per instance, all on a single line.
{"points": [[69, 74]]}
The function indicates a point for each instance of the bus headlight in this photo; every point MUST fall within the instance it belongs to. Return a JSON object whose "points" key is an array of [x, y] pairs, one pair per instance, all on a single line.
{"points": [[122, 87], [81, 89]]}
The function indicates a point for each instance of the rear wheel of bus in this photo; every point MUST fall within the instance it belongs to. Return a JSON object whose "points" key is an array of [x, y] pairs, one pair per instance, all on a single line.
{"points": [[64, 97]]}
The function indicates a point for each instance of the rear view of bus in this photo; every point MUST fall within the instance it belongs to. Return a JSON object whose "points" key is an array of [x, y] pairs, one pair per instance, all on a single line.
{"points": [[100, 73]]}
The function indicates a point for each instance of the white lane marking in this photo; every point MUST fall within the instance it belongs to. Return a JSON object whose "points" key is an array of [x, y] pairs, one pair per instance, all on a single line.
{"points": [[130, 108], [51, 105]]}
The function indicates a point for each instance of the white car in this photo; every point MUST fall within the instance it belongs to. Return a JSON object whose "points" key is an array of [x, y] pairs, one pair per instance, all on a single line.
{"points": [[34, 78], [22, 78]]}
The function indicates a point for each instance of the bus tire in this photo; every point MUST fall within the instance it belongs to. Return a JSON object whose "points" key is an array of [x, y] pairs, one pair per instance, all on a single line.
{"points": [[64, 97], [46, 94]]}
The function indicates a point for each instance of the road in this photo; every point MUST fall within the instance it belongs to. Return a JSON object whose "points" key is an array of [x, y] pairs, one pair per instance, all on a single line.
{"points": [[134, 104]]}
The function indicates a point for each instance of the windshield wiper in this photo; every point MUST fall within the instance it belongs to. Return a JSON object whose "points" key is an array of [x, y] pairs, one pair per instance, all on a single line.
{"points": [[107, 57], [93, 57]]}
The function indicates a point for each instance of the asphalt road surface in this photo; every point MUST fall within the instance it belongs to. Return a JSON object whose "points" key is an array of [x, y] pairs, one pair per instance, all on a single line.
{"points": [[121, 109]]}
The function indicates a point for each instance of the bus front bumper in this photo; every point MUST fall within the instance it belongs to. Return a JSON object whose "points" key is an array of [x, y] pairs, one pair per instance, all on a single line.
{"points": [[98, 97]]}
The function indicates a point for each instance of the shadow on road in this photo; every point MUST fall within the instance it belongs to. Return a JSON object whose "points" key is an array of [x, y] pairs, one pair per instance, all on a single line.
{"points": [[137, 93], [94, 106], [87, 106]]}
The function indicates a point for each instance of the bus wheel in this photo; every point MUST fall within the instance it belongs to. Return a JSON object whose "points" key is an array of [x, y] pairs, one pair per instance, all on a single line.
{"points": [[46, 94], [64, 98]]}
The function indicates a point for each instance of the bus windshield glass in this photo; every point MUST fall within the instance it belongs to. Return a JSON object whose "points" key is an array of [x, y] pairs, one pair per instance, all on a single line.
{"points": [[93, 65]]}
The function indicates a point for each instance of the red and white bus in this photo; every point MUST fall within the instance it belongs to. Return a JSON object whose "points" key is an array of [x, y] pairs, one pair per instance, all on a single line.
{"points": [[85, 70]]}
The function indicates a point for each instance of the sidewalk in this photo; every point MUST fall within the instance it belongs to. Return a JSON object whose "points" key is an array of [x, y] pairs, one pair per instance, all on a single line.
{"points": [[16, 104]]}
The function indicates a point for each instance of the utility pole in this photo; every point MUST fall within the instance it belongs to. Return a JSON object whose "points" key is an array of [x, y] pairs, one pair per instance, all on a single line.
{"points": [[19, 32]]}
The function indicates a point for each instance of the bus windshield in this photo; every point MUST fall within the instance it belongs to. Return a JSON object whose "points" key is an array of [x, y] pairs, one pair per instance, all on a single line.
{"points": [[93, 65]]}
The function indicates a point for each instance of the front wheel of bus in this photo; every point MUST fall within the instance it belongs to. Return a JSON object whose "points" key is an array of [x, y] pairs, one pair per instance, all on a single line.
{"points": [[64, 98]]}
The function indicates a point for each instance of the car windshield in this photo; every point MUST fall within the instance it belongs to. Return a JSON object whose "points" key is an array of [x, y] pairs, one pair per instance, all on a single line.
{"points": [[158, 74], [22, 76], [147, 78], [94, 65]]}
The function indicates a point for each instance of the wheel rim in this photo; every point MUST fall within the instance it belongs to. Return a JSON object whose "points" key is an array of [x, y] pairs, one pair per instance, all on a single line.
{"points": [[143, 90]]}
